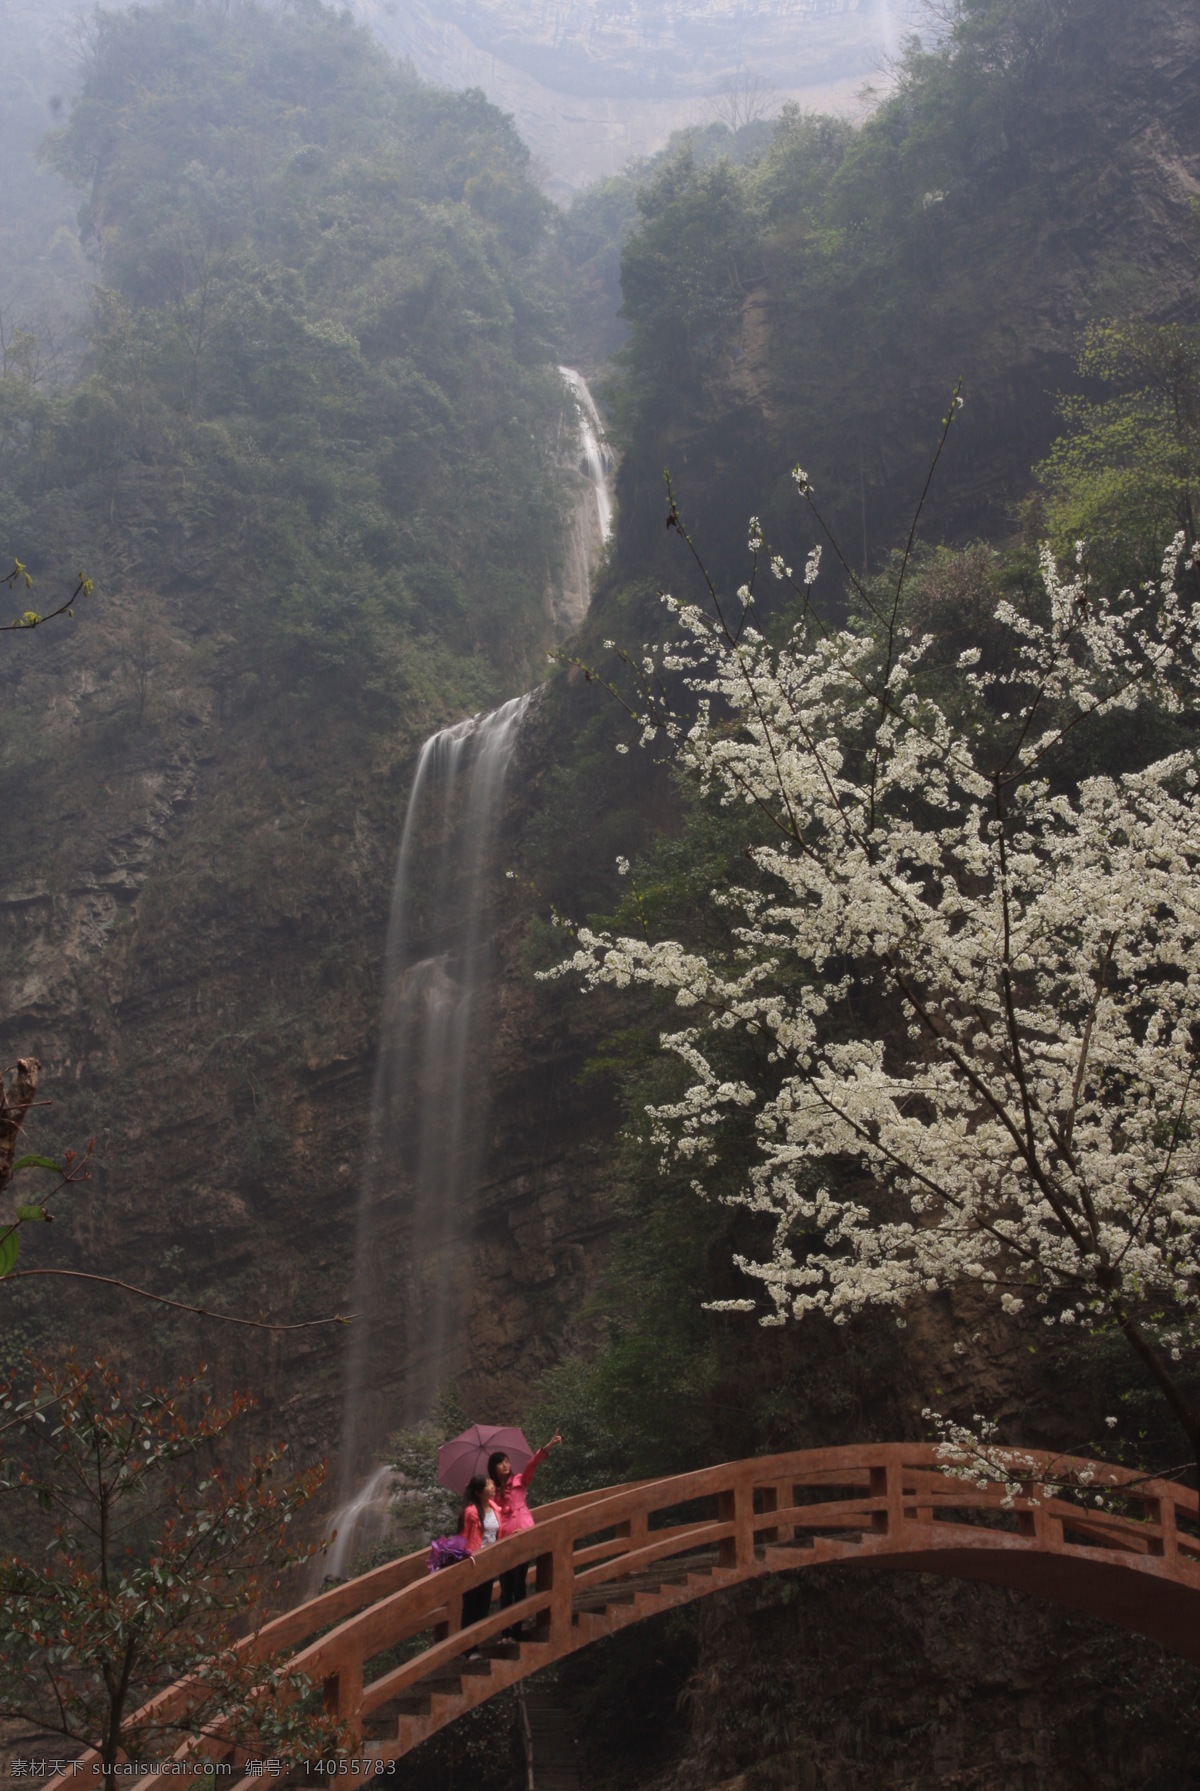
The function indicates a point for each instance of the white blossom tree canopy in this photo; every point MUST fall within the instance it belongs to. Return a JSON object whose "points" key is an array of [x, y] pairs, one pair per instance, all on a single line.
{"points": [[1022, 945]]}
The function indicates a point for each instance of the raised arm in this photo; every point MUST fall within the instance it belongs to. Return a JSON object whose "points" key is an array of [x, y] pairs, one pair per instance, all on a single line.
{"points": [[536, 1459]]}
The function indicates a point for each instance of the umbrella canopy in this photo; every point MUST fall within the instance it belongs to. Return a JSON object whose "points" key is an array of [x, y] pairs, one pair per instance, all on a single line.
{"points": [[464, 1456]]}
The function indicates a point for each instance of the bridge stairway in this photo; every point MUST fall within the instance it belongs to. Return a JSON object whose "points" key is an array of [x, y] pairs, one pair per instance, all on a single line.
{"points": [[636, 1594], [633, 1596], [445, 1683]]}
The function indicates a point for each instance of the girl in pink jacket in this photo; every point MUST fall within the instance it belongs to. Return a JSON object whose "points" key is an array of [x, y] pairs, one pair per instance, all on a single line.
{"points": [[512, 1500], [479, 1525]]}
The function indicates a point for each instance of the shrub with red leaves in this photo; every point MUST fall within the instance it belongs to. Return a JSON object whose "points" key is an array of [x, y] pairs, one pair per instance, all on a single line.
{"points": [[152, 1572]]}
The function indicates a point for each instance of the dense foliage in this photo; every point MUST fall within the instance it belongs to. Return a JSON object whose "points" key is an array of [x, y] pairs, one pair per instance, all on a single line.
{"points": [[820, 298], [1126, 474], [319, 403]]}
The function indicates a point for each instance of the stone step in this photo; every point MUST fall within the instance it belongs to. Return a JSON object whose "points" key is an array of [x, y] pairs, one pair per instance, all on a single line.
{"points": [[588, 1609], [407, 1704], [600, 1601], [654, 1582], [624, 1592], [446, 1682], [382, 1723]]}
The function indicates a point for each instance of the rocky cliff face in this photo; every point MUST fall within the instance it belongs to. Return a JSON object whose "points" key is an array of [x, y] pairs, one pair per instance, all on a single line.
{"points": [[191, 942], [852, 1681]]}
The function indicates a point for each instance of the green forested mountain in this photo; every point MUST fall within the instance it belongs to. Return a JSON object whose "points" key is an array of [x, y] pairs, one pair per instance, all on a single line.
{"points": [[312, 464], [816, 299], [1020, 214], [1029, 176], [318, 345]]}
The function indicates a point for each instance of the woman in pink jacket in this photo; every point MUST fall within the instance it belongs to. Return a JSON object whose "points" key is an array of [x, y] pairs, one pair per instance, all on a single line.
{"points": [[512, 1501]]}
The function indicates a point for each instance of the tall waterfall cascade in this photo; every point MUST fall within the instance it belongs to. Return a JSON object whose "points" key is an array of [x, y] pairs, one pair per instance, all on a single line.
{"points": [[428, 1110], [429, 1105], [591, 517]]}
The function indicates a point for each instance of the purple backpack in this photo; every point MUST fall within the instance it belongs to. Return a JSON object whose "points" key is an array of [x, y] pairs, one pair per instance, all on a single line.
{"points": [[447, 1551]]}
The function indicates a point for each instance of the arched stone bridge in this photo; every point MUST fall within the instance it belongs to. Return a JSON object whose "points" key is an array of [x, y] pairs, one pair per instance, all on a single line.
{"points": [[608, 1558]]}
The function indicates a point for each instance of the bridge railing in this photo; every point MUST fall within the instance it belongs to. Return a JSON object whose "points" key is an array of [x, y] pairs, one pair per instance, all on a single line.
{"points": [[882, 1501], [341, 1602], [889, 1495]]}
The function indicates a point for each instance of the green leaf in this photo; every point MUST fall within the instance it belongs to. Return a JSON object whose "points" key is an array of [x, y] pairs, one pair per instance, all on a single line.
{"points": [[10, 1249], [35, 1215], [37, 1163]]}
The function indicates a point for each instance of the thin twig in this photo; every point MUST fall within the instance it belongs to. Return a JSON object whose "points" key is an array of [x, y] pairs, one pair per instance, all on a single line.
{"points": [[31, 619], [225, 1318]]}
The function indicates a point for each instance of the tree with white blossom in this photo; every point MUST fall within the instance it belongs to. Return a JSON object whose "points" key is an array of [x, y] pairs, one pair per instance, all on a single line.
{"points": [[977, 972]]}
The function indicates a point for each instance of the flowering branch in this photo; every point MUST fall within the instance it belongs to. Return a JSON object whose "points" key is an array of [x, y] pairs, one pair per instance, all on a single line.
{"points": [[1027, 944]]}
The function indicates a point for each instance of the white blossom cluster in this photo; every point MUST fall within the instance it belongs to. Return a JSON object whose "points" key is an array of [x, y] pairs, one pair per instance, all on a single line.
{"points": [[975, 1457], [979, 978]]}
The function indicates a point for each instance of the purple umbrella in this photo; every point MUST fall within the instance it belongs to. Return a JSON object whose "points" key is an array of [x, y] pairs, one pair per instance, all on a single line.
{"points": [[464, 1456]]}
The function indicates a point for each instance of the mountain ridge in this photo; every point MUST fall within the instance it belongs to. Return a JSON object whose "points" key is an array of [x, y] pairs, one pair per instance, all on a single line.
{"points": [[591, 87]]}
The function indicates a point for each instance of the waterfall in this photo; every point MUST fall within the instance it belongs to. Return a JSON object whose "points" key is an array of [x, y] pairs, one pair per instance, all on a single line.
{"points": [[361, 1520], [591, 522], [412, 1275], [597, 460], [428, 1108]]}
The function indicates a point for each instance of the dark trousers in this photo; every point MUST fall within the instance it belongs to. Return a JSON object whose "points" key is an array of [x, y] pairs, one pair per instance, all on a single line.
{"points": [[512, 1585], [477, 1603]]}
